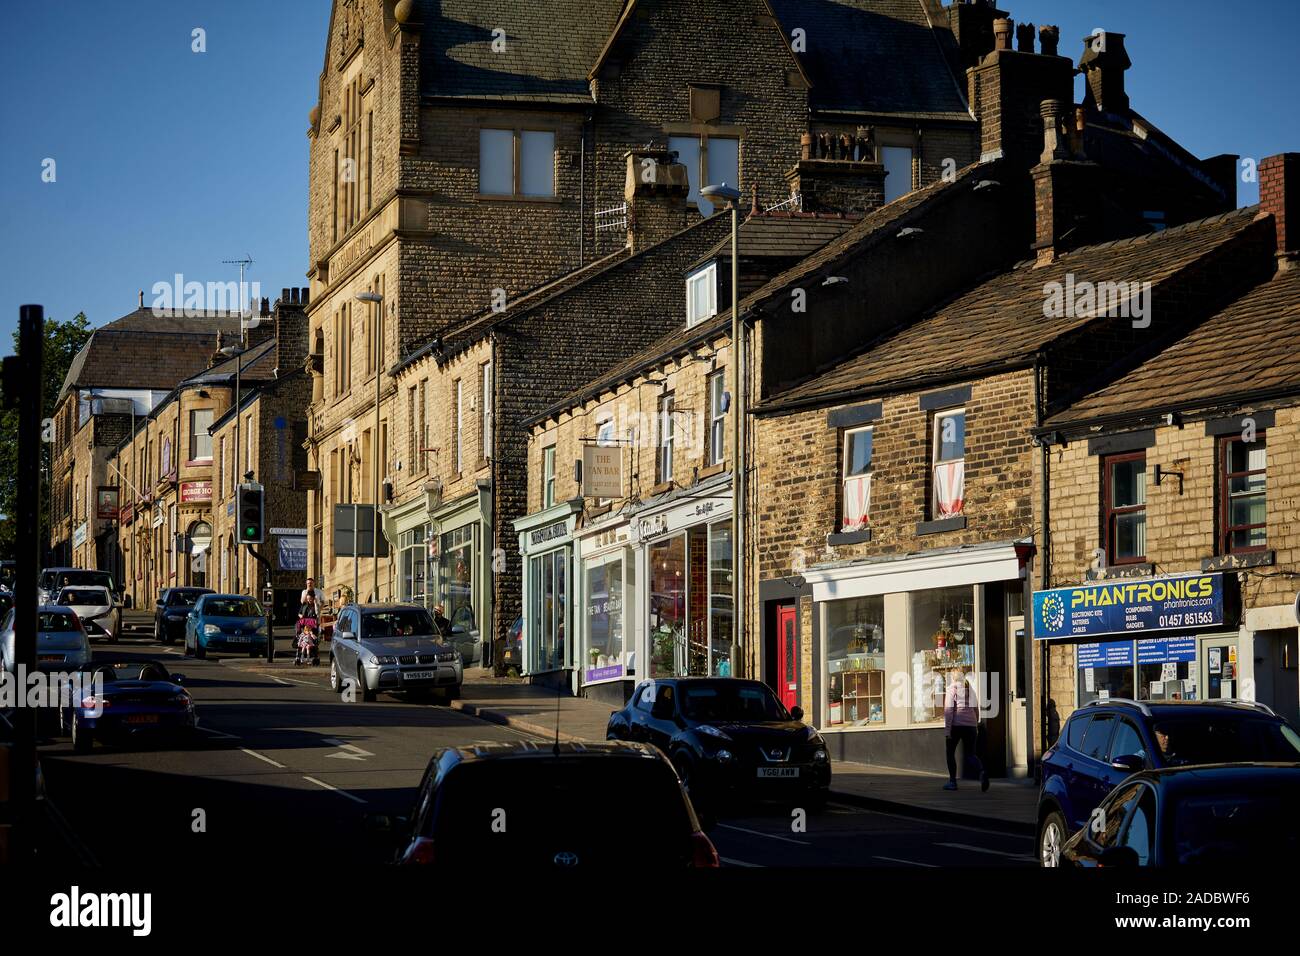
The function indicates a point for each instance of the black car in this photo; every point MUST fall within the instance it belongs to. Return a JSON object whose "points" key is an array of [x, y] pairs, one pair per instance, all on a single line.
{"points": [[566, 806], [170, 611], [727, 735], [125, 699], [1214, 815], [1106, 741]]}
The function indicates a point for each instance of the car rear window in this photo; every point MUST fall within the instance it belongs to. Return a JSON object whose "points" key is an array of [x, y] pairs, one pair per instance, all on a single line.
{"points": [[100, 579], [1074, 731], [404, 622], [232, 607], [55, 621], [530, 808], [184, 598], [1096, 737], [1225, 738], [1237, 827], [83, 596]]}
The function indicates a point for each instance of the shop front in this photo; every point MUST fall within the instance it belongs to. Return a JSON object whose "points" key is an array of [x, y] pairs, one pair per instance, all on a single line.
{"points": [[685, 546], [890, 634], [1164, 638], [547, 546], [609, 623]]}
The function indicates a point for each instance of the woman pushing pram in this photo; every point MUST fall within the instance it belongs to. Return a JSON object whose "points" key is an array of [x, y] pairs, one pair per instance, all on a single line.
{"points": [[307, 634]]}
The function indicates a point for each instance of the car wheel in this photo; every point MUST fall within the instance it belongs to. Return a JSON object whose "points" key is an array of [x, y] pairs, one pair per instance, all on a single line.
{"points": [[452, 693], [367, 694], [1051, 837], [82, 739], [336, 680]]}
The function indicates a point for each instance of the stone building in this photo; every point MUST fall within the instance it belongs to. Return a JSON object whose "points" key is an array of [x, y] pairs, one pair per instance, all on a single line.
{"points": [[1179, 475], [102, 399], [465, 155]]}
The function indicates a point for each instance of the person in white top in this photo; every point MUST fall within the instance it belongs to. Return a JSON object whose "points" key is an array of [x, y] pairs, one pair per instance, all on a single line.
{"points": [[311, 592], [961, 714]]}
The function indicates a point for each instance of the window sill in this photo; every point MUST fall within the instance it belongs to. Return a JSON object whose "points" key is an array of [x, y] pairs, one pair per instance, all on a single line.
{"points": [[493, 197], [941, 525], [598, 510], [661, 489], [1241, 559], [848, 537], [715, 469], [1138, 569]]}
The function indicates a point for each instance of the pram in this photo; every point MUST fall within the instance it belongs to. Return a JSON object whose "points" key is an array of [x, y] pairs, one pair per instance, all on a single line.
{"points": [[306, 641]]}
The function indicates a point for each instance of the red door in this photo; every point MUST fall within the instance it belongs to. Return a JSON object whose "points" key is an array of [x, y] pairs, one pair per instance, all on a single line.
{"points": [[787, 660]]}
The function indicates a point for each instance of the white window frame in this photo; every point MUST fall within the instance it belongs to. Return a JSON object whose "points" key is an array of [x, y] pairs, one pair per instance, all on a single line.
{"points": [[664, 452], [846, 458], [198, 435], [706, 276], [459, 424], [717, 383], [517, 135], [548, 476], [936, 444], [486, 436]]}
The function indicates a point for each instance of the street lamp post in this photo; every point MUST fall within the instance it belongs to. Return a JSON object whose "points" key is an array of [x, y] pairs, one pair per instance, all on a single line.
{"points": [[237, 352], [377, 300], [732, 196]]}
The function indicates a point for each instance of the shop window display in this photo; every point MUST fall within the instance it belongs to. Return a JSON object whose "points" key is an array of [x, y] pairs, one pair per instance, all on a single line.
{"points": [[855, 661], [667, 605], [605, 620], [456, 575], [721, 613], [943, 640]]}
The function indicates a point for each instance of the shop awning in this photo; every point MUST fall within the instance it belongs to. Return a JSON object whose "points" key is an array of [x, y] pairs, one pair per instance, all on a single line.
{"points": [[979, 565]]}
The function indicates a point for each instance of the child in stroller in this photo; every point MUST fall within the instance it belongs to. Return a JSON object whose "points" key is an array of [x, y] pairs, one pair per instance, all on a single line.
{"points": [[308, 637]]}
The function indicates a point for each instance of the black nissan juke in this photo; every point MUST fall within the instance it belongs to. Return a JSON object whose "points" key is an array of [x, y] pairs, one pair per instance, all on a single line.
{"points": [[727, 737]]}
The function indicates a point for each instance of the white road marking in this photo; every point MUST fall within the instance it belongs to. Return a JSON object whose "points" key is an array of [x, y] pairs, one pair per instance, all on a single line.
{"points": [[281, 680], [341, 793], [254, 753], [218, 733], [354, 752], [730, 862], [770, 836], [981, 849], [890, 859]]}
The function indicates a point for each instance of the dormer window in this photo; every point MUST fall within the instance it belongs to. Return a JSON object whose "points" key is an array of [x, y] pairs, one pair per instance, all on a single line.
{"points": [[701, 294]]}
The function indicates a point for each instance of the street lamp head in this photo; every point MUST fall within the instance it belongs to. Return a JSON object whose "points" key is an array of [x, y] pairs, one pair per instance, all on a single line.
{"points": [[231, 350], [721, 191], [368, 297]]}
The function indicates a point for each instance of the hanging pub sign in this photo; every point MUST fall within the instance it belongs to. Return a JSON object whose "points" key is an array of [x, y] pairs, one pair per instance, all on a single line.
{"points": [[1130, 607], [106, 504], [602, 471]]}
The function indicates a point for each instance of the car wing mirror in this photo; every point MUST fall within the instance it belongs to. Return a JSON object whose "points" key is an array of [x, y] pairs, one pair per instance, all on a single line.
{"points": [[1129, 763], [796, 713]]}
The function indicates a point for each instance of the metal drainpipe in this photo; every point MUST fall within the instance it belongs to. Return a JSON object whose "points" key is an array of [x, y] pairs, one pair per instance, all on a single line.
{"points": [[1045, 554]]}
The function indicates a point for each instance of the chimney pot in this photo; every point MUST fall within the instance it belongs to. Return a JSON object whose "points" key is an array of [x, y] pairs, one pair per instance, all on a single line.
{"points": [[1025, 38], [1103, 64], [1002, 33], [805, 147], [306, 291], [142, 298], [284, 295], [1279, 195], [1049, 39], [1053, 113]]}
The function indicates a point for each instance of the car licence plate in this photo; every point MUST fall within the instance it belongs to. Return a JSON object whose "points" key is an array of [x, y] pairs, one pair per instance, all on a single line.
{"points": [[418, 675], [142, 718], [238, 639], [778, 771]]}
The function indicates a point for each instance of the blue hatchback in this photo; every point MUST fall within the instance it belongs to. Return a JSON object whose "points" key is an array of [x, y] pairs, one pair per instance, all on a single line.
{"points": [[1106, 741], [225, 622]]}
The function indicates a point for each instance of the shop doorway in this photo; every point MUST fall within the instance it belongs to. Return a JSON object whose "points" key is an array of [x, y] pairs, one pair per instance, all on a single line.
{"points": [[787, 656], [1219, 668], [993, 681]]}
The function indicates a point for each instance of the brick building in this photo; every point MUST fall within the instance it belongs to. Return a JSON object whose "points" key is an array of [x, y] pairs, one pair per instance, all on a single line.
{"points": [[464, 155], [1179, 474]]}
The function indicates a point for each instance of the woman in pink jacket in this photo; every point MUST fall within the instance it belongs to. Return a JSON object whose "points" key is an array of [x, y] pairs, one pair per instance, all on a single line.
{"points": [[961, 715]]}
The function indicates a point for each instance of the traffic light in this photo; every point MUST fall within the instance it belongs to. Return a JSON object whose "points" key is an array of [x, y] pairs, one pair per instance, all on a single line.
{"points": [[251, 512]]}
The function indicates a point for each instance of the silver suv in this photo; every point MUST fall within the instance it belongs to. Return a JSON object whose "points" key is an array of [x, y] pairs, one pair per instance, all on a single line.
{"points": [[392, 647]]}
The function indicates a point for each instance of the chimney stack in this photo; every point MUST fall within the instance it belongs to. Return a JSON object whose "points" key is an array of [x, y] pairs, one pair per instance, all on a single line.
{"points": [[1064, 189], [1279, 196], [1002, 33], [1049, 39], [655, 191], [1025, 38], [142, 298], [971, 23], [1103, 64]]}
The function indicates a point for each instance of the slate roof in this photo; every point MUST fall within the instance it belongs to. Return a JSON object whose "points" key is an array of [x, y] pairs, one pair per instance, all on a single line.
{"points": [[1001, 321], [258, 366], [1247, 348], [782, 235], [147, 350], [874, 56]]}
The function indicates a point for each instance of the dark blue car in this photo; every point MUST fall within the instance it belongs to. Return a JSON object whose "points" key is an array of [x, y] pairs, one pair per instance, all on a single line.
{"points": [[126, 699], [225, 622], [1107, 741]]}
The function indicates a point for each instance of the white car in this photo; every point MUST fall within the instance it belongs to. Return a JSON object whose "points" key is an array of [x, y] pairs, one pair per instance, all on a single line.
{"points": [[54, 580], [94, 605], [61, 642]]}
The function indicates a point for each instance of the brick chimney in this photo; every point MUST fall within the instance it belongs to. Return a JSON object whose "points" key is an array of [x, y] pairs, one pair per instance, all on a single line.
{"points": [[292, 332], [1279, 196], [1064, 188], [971, 22], [1103, 64], [265, 328], [1006, 89], [655, 192], [838, 172]]}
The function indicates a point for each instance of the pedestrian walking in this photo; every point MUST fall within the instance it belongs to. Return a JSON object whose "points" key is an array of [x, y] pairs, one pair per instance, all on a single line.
{"points": [[961, 713], [440, 621]]}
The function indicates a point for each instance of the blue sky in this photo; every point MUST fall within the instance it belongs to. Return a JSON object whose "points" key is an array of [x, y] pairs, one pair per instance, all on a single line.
{"points": [[171, 161]]}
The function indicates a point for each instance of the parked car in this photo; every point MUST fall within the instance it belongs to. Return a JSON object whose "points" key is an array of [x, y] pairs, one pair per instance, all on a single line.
{"points": [[727, 736], [170, 611], [521, 805], [392, 647], [1213, 815], [512, 651], [225, 622], [6, 603], [139, 698], [1105, 742], [52, 580], [61, 641], [94, 608]]}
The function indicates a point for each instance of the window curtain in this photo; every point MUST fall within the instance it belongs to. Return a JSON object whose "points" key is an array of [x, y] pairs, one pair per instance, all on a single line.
{"points": [[949, 488], [857, 503]]}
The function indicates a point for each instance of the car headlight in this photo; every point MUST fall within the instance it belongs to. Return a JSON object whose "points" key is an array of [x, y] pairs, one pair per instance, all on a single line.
{"points": [[723, 755], [261, 631], [211, 629], [383, 659], [711, 731]]}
